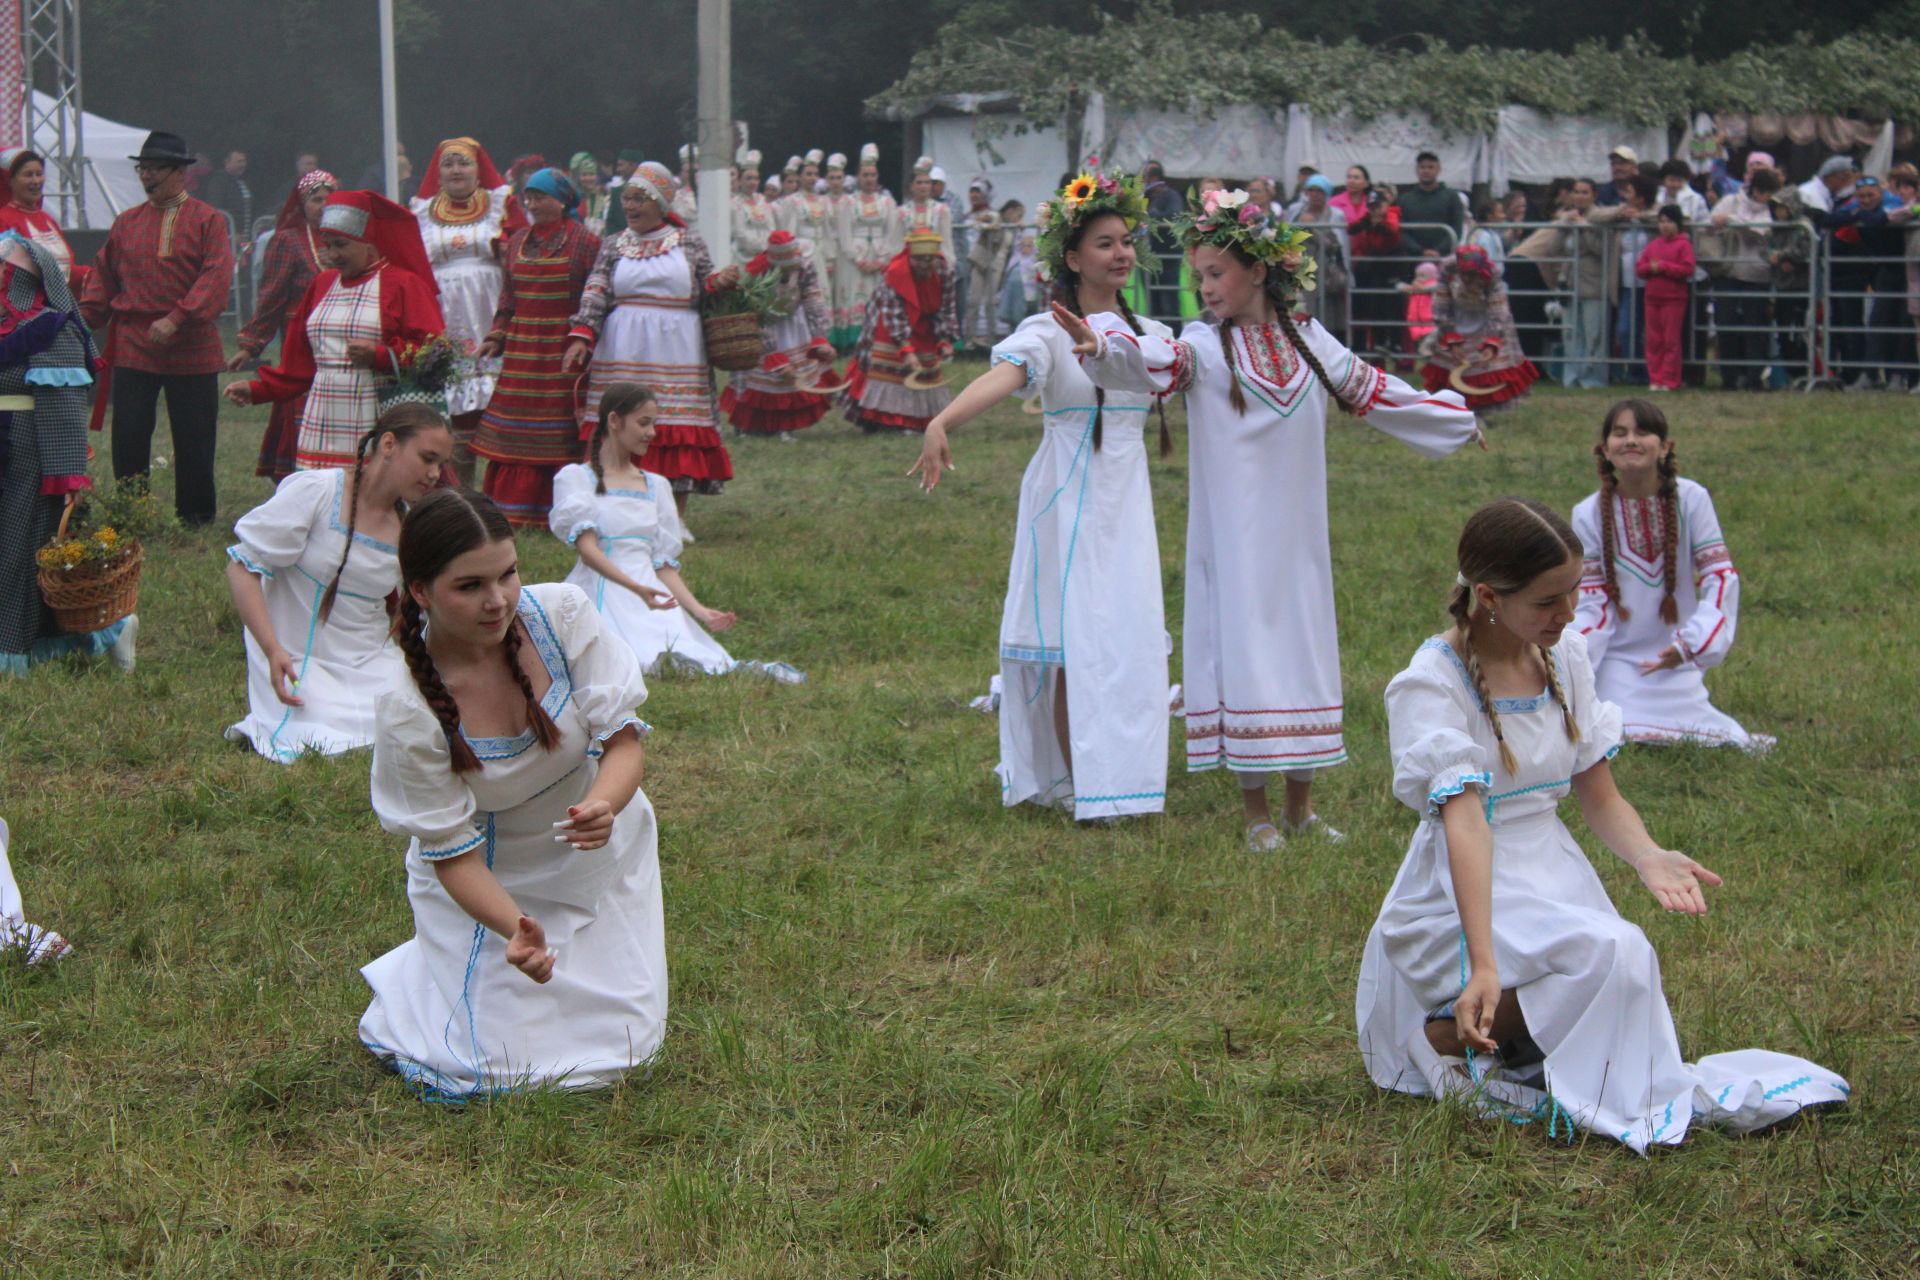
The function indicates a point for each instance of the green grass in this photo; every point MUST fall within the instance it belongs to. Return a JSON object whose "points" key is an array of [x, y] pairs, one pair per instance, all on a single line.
{"points": [[914, 1034]]}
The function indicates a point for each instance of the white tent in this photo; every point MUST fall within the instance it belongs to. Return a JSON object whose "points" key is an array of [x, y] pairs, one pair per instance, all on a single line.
{"points": [[1023, 166], [110, 182]]}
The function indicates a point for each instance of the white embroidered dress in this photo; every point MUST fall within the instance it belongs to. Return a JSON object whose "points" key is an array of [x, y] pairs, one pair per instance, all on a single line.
{"points": [[1588, 981], [867, 245], [448, 1012], [640, 531], [293, 542], [1667, 706], [1261, 663], [1083, 597], [470, 280]]}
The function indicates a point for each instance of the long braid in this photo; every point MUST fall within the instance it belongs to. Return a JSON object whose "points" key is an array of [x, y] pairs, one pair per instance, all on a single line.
{"points": [[353, 514], [1159, 403], [1233, 368], [1609, 485], [1670, 532], [1461, 609], [1292, 331], [426, 678], [545, 731], [593, 456], [1559, 695]]}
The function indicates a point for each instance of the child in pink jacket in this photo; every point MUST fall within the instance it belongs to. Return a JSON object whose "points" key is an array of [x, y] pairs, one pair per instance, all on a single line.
{"points": [[1667, 265]]}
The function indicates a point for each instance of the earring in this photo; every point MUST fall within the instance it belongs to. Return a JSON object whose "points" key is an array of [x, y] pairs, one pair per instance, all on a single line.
{"points": [[1492, 617]]}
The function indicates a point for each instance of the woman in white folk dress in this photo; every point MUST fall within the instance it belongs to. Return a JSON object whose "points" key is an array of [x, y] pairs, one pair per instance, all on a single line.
{"points": [[1652, 640], [512, 763], [310, 577], [1261, 664], [867, 245], [1499, 971], [621, 522], [1083, 650]]}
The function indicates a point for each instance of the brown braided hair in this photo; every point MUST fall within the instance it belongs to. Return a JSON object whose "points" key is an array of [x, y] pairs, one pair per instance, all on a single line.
{"points": [[617, 401], [1066, 291], [444, 525], [403, 422], [1283, 311], [1506, 545], [1648, 417]]}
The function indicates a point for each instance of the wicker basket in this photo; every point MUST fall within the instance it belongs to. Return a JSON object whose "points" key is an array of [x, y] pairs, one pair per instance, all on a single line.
{"points": [[733, 341], [93, 596]]}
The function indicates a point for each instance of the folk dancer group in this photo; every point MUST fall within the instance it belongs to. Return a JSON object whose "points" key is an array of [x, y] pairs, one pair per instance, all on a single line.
{"points": [[504, 718]]}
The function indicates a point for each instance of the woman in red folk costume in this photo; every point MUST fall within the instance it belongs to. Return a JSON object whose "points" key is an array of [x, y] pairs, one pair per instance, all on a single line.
{"points": [[376, 299], [765, 401], [467, 211], [1474, 348], [530, 430], [910, 329], [292, 262], [25, 210]]}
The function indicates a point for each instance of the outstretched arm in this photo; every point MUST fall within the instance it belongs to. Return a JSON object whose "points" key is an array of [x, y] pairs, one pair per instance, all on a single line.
{"points": [[978, 396], [470, 882], [712, 619], [1669, 875], [595, 557]]}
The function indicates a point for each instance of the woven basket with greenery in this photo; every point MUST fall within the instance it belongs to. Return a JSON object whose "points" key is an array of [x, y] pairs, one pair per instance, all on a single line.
{"points": [[92, 581], [732, 318]]}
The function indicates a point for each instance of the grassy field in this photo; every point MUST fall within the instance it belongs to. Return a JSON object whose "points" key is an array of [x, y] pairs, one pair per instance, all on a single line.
{"points": [[916, 1035]]}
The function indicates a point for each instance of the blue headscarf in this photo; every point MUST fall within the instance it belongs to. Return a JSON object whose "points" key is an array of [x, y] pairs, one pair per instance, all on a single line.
{"points": [[555, 183]]}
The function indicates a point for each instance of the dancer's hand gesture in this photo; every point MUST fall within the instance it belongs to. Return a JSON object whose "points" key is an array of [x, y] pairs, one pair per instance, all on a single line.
{"points": [[527, 950], [1473, 1010], [1669, 659], [285, 673], [1084, 341], [588, 825], [719, 620], [1675, 879], [936, 457], [656, 599]]}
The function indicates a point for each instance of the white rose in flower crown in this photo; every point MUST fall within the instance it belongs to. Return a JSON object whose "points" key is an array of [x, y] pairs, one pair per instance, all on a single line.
{"points": [[1041, 210], [1232, 199]]}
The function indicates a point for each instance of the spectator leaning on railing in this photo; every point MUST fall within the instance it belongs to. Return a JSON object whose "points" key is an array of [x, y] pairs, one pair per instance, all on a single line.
{"points": [[1592, 282], [1830, 187], [1431, 201]]}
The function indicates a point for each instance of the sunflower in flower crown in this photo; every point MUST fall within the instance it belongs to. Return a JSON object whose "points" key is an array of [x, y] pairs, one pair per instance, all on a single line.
{"points": [[1226, 220], [1088, 196]]}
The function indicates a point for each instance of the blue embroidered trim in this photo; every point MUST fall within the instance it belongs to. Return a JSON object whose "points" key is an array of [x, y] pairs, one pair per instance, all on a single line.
{"points": [[466, 846], [354, 595], [339, 492], [241, 558], [1505, 706], [1131, 795], [597, 747], [1103, 408], [1079, 464], [1521, 791], [666, 562], [1788, 1087], [547, 645], [1025, 367], [585, 526], [1483, 780], [1020, 653]]}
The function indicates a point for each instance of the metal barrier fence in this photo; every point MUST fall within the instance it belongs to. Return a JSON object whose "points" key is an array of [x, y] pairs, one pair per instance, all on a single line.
{"points": [[1771, 305]]}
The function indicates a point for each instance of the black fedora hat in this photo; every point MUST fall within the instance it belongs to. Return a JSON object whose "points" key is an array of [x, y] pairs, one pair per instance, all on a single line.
{"points": [[163, 148]]}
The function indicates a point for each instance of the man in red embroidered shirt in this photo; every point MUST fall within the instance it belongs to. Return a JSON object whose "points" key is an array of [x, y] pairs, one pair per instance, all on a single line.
{"points": [[162, 280]]}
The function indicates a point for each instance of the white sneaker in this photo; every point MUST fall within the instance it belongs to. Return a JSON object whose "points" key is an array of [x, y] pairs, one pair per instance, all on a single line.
{"points": [[1315, 825], [786, 437], [1263, 837], [122, 651]]}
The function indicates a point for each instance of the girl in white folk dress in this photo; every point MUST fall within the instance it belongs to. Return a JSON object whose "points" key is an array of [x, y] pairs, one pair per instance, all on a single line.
{"points": [[1651, 640], [512, 763], [313, 568], [1261, 668], [621, 522], [1083, 650], [1498, 970]]}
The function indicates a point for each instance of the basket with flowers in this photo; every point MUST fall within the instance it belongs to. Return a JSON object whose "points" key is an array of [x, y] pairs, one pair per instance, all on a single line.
{"points": [[732, 317], [89, 571], [422, 372]]}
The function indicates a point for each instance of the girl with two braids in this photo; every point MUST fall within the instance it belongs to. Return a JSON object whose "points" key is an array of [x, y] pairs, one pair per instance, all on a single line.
{"points": [[621, 522], [1083, 649], [313, 569], [1653, 637], [1498, 971], [1262, 652], [511, 761]]}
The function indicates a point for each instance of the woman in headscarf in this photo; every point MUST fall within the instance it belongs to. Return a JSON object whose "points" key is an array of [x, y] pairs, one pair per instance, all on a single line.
{"points": [[530, 430], [376, 299], [585, 171], [639, 320], [292, 261], [25, 210], [47, 362], [466, 212]]}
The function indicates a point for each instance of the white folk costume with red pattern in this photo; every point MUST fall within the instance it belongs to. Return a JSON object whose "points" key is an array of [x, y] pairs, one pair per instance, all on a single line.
{"points": [[1262, 661], [1671, 705]]}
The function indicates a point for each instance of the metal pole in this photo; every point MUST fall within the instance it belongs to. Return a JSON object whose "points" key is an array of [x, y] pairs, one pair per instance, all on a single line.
{"points": [[389, 104], [714, 135]]}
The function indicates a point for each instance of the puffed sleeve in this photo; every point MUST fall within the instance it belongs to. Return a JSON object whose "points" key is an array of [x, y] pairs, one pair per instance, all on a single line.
{"points": [[416, 793], [670, 540], [1146, 364], [1593, 612], [1432, 423], [574, 503], [274, 534], [1031, 347], [1599, 721], [607, 684], [1429, 717], [1707, 635]]}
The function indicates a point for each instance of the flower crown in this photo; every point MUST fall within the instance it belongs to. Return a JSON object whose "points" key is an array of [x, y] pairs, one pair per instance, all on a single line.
{"points": [[1225, 220], [1086, 197]]}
